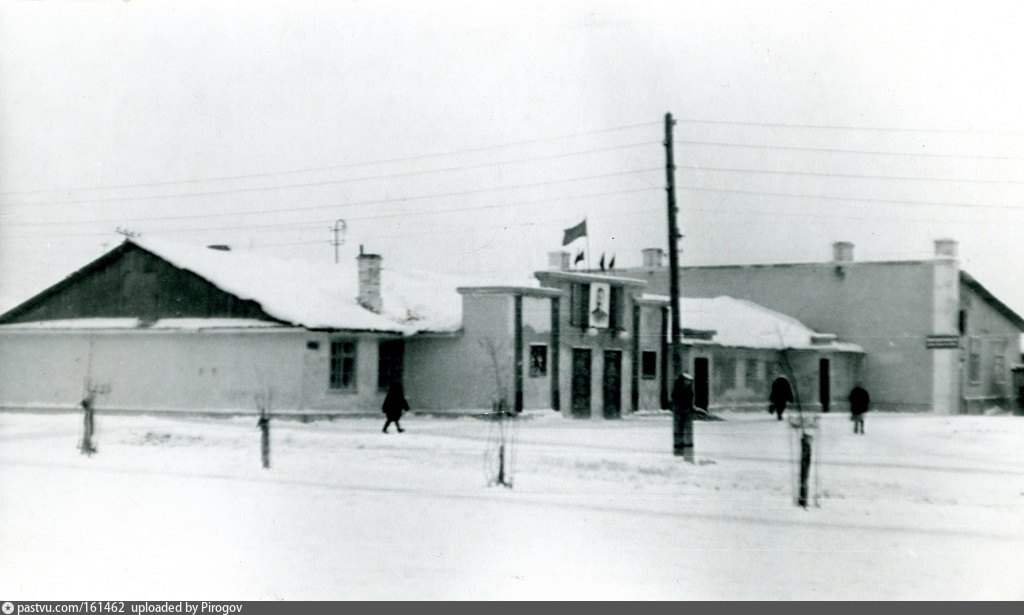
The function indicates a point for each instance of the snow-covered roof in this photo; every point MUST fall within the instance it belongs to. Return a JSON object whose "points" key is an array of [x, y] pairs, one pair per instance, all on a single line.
{"points": [[323, 296], [742, 323]]}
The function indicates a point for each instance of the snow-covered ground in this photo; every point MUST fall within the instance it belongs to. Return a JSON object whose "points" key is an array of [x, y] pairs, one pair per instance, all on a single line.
{"points": [[922, 507]]}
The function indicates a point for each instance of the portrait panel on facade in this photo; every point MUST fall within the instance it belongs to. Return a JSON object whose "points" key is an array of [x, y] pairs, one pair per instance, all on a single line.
{"points": [[600, 305]]}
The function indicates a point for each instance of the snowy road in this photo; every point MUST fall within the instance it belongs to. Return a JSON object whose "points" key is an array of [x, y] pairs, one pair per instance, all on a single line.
{"points": [[920, 507]]}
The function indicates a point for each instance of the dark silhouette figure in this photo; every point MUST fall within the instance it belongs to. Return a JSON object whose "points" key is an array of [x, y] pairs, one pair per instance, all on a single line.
{"points": [[682, 416], [394, 406], [781, 395], [859, 403], [264, 425], [682, 394], [88, 424]]}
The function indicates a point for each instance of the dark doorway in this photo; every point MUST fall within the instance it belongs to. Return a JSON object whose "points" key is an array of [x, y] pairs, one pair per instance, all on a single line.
{"points": [[389, 363], [612, 384], [580, 382], [824, 384], [701, 388]]}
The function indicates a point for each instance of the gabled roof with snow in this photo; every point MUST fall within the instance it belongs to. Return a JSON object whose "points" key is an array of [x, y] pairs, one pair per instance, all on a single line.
{"points": [[323, 296], [742, 323], [301, 293]]}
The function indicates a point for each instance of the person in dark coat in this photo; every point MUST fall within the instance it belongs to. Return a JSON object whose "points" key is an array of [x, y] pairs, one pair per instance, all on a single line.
{"points": [[88, 424], [682, 416], [781, 395], [682, 394], [394, 405], [859, 403]]}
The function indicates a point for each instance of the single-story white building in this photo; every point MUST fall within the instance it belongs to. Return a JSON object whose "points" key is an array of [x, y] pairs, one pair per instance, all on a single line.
{"points": [[155, 326]]}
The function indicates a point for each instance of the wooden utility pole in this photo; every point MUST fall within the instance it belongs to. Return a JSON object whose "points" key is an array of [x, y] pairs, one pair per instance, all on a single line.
{"points": [[682, 422]]}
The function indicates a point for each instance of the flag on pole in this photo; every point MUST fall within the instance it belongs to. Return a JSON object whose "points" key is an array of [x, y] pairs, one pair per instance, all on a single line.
{"points": [[601, 265], [611, 263], [579, 257], [575, 232]]}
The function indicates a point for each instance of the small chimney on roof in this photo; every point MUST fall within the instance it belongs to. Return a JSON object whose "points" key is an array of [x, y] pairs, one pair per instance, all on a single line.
{"points": [[842, 252], [653, 257], [369, 281], [558, 260], [945, 248]]}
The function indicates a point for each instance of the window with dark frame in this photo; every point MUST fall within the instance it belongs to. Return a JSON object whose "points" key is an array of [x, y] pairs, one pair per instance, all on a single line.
{"points": [[974, 361], [538, 360], [725, 373], [343, 365], [752, 378], [999, 372], [615, 309], [649, 364], [579, 305]]}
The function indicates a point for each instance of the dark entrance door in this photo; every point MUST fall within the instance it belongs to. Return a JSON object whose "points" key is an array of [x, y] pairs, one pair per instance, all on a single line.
{"points": [[824, 384], [581, 382], [612, 384], [700, 383], [389, 363]]}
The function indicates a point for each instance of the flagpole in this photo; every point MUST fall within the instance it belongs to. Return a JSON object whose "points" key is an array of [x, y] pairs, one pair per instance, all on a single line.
{"points": [[588, 242]]}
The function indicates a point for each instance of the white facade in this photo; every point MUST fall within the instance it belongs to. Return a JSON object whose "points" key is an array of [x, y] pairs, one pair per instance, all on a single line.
{"points": [[214, 370]]}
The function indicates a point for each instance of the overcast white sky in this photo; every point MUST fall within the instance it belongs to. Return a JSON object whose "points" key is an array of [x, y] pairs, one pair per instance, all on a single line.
{"points": [[260, 124]]}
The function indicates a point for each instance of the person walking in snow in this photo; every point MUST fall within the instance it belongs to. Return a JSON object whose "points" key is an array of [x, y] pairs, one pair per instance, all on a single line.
{"points": [[780, 395], [88, 424], [394, 405], [859, 402]]}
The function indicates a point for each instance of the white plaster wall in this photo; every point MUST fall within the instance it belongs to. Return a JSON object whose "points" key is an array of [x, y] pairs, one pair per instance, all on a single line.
{"points": [[184, 371], [458, 373]]}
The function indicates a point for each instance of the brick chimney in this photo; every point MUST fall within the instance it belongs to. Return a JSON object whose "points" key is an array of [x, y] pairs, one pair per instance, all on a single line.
{"points": [[369, 281], [842, 252], [558, 260], [653, 257]]}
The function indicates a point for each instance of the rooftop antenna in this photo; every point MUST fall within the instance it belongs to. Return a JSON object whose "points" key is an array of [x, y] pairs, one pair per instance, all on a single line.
{"points": [[339, 237]]}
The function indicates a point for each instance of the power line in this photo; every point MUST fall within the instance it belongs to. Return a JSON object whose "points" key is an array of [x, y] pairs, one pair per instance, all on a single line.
{"points": [[418, 232], [831, 216], [348, 165], [830, 150], [349, 218], [307, 185], [450, 229], [851, 175], [840, 127], [852, 199]]}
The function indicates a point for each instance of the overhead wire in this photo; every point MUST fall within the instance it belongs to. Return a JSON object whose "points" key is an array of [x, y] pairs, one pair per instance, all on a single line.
{"points": [[908, 202], [349, 165], [404, 214], [894, 129], [278, 187], [850, 175], [777, 194], [832, 150]]}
